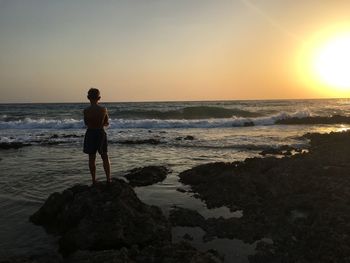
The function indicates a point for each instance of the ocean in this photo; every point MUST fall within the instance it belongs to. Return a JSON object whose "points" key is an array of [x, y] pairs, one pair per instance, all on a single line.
{"points": [[180, 135]]}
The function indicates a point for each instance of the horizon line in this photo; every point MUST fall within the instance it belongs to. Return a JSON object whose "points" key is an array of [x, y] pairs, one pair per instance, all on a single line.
{"points": [[170, 101]]}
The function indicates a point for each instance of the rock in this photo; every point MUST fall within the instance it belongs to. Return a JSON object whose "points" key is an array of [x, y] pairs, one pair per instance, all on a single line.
{"points": [[56, 136], [72, 136], [187, 237], [187, 138], [186, 217], [19, 260], [296, 202], [181, 190], [248, 124], [265, 254], [147, 175], [335, 119], [101, 217], [271, 150], [108, 223], [285, 150], [179, 252], [105, 256], [146, 141], [13, 145], [46, 142], [45, 258], [214, 227]]}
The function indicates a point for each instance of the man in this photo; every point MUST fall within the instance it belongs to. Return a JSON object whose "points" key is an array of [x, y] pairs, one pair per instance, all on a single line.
{"points": [[95, 119]]}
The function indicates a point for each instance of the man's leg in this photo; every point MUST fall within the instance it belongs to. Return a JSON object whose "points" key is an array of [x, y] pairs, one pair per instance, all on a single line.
{"points": [[92, 167], [106, 166]]}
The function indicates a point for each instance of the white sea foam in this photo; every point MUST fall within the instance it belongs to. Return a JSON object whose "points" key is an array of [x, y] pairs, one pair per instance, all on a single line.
{"points": [[207, 123], [5, 139], [29, 123], [15, 138], [270, 120]]}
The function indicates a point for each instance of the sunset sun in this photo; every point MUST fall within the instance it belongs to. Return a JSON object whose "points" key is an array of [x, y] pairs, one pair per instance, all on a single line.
{"points": [[323, 61], [330, 63]]}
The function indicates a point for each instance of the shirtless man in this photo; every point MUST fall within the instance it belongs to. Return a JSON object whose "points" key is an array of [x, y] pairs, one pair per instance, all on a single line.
{"points": [[95, 140]]}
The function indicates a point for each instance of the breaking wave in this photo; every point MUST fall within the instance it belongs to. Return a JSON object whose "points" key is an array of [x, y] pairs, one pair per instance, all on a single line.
{"points": [[29, 123], [54, 124], [187, 113]]}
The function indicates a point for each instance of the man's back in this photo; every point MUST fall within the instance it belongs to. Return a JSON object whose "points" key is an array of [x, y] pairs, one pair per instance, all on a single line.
{"points": [[95, 117]]}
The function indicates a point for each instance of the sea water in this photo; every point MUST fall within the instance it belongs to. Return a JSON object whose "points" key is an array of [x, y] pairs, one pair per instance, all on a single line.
{"points": [[179, 135]]}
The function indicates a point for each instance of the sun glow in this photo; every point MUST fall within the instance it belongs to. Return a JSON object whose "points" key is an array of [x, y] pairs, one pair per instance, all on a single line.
{"points": [[324, 62], [331, 62]]}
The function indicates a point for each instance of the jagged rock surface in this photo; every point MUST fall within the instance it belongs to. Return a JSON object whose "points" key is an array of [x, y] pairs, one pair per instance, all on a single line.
{"points": [[300, 202], [101, 217], [147, 175], [108, 223]]}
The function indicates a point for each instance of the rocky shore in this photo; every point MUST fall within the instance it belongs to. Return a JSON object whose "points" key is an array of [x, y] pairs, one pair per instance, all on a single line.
{"points": [[147, 175], [335, 119], [295, 208], [300, 202], [108, 223]]}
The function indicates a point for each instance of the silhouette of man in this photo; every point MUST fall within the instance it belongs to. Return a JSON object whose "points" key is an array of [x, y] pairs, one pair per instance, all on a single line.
{"points": [[95, 140]]}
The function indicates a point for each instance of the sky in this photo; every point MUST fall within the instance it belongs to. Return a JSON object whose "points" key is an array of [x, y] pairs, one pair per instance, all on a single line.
{"points": [[164, 50]]}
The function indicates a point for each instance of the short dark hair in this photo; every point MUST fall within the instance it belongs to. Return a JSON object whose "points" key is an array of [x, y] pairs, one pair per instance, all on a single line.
{"points": [[93, 94]]}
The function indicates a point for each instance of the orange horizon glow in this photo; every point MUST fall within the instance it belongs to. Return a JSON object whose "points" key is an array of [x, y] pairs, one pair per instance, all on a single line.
{"points": [[172, 50]]}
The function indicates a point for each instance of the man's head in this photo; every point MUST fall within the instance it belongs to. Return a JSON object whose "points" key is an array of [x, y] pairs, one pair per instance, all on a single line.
{"points": [[93, 94]]}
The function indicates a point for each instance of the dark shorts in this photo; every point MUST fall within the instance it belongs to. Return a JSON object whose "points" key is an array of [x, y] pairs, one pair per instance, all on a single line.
{"points": [[95, 140]]}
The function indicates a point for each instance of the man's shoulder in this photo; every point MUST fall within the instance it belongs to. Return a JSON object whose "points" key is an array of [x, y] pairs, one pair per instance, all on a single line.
{"points": [[103, 108], [95, 108], [88, 108]]}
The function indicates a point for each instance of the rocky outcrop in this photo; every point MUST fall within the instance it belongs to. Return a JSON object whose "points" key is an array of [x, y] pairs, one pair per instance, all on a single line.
{"points": [[215, 227], [12, 145], [301, 202], [335, 119], [186, 138], [285, 150], [186, 217], [108, 223], [248, 124], [56, 136], [44, 258], [180, 252], [115, 256], [164, 253], [101, 217], [147, 175], [145, 141]]}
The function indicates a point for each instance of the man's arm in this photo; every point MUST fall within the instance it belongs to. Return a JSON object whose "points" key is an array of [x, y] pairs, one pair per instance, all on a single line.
{"points": [[85, 118], [106, 118]]}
